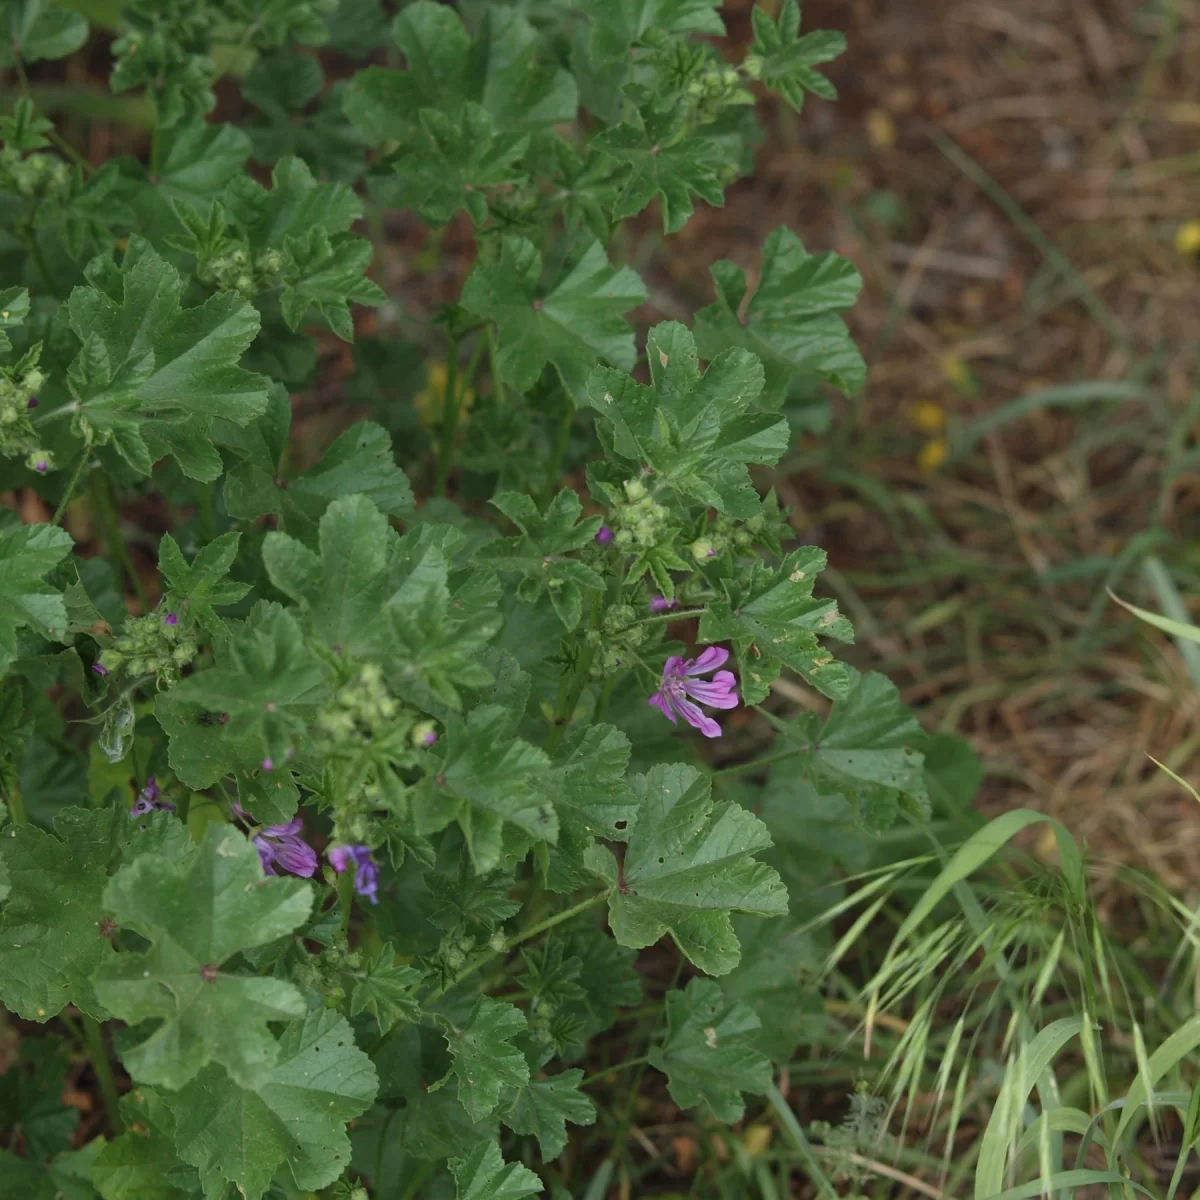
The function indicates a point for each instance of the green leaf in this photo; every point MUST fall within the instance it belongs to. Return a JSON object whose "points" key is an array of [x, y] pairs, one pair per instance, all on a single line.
{"points": [[27, 554], [619, 24], [791, 321], [709, 1054], [197, 917], [195, 589], [459, 157], [542, 1108], [484, 1175], [14, 312], [694, 432], [65, 1177], [587, 786], [142, 1163], [772, 618], [688, 866], [655, 159], [868, 751], [199, 162], [386, 989], [152, 375], [540, 553], [488, 782], [359, 462], [347, 586], [31, 1106], [607, 977], [776, 980], [445, 70], [51, 935], [33, 31], [484, 1057], [784, 60], [295, 1117], [578, 320], [266, 682]]}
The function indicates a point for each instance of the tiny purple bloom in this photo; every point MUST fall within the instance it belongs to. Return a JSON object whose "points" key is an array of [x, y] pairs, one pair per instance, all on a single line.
{"points": [[679, 682], [268, 764], [148, 800], [604, 536], [429, 739], [41, 466], [99, 670], [32, 402], [662, 604], [281, 845], [171, 619], [366, 874]]}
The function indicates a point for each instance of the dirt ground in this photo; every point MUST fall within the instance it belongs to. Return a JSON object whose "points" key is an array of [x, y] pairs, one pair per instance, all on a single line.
{"points": [[1010, 178]]}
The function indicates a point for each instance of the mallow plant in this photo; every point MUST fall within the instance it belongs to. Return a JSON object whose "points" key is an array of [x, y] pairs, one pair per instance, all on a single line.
{"points": [[416, 814]]}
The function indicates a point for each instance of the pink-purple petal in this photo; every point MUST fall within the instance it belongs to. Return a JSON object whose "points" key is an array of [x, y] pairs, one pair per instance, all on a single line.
{"points": [[694, 717], [662, 702], [717, 694], [713, 657]]}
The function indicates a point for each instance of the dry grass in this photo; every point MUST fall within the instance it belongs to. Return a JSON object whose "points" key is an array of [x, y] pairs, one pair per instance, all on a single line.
{"points": [[980, 586]]}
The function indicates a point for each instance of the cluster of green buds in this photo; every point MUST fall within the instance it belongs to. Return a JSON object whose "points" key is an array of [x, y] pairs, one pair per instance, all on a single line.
{"points": [[367, 736], [716, 87], [18, 398], [641, 521], [329, 973], [458, 945], [239, 270], [42, 179], [150, 645], [615, 643]]}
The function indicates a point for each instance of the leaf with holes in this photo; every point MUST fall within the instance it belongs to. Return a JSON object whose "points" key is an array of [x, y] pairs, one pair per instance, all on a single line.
{"points": [[688, 866], [197, 917], [294, 1117], [709, 1054]]}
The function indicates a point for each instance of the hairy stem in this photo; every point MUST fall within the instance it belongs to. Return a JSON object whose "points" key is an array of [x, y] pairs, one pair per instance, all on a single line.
{"points": [[106, 509], [73, 482], [97, 1050]]}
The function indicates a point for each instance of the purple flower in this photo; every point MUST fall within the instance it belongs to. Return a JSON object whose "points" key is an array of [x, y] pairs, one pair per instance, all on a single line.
{"points": [[99, 670], [171, 619], [31, 402], [281, 845], [148, 800], [662, 604], [40, 466], [268, 764], [366, 874], [429, 738], [679, 681], [604, 536]]}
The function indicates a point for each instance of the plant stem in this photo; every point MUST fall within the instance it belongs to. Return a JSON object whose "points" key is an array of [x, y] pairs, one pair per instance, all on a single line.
{"points": [[345, 891], [561, 437], [674, 614], [512, 943], [106, 509], [73, 482], [621, 1066], [16, 803], [205, 511], [494, 366], [93, 1038], [449, 419], [568, 694], [755, 763]]}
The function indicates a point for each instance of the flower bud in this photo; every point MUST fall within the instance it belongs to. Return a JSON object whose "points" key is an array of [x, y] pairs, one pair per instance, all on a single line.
{"points": [[635, 489], [702, 549]]}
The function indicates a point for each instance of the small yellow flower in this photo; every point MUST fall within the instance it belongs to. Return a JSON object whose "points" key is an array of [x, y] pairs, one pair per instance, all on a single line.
{"points": [[928, 416], [932, 455], [430, 401], [881, 129], [959, 374], [756, 1139], [1187, 239]]}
